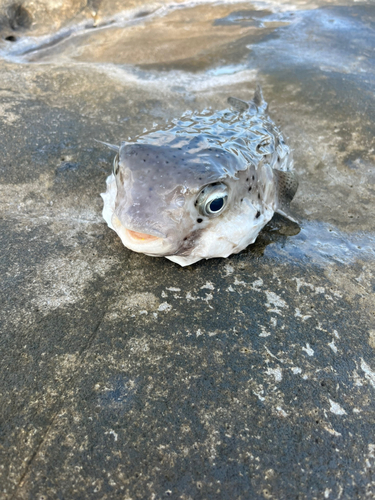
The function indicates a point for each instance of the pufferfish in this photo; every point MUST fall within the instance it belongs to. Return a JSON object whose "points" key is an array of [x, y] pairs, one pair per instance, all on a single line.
{"points": [[202, 187]]}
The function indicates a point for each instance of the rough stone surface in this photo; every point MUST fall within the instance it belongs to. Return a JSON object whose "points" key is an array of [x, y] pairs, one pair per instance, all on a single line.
{"points": [[128, 377]]}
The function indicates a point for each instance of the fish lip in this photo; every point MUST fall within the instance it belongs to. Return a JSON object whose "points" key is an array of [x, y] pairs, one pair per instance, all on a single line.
{"points": [[149, 231], [136, 235], [141, 237]]}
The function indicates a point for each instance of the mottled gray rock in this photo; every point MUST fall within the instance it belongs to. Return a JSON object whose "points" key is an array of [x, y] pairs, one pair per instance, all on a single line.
{"points": [[38, 18], [128, 377]]}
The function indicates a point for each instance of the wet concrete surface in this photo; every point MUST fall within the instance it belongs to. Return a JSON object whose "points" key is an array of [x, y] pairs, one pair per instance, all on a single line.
{"points": [[126, 376]]}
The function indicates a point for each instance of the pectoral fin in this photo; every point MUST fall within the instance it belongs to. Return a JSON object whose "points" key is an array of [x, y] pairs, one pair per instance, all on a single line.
{"points": [[286, 187]]}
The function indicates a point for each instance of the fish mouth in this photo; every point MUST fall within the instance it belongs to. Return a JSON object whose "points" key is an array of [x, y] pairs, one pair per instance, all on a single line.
{"points": [[135, 237], [141, 237]]}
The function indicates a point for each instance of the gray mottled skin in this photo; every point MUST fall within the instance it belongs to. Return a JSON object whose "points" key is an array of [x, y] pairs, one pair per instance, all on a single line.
{"points": [[156, 196]]}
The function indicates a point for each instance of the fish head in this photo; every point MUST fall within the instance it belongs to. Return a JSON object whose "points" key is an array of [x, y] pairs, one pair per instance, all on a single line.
{"points": [[167, 196], [203, 186]]}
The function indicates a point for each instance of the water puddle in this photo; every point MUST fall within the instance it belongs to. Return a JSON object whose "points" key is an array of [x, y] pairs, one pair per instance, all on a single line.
{"points": [[196, 33], [317, 243]]}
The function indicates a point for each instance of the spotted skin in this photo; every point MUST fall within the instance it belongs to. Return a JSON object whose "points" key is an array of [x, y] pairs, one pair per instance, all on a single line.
{"points": [[202, 187]]}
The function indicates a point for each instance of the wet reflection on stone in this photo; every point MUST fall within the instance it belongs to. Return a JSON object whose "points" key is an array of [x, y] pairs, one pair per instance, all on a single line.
{"points": [[275, 232]]}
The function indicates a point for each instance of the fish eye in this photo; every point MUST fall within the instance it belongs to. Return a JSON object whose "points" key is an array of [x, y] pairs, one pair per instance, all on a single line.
{"points": [[212, 200], [215, 205]]}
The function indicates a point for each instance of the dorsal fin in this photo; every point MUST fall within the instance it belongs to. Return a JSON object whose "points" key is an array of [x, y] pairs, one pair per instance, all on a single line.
{"points": [[286, 187], [257, 104], [238, 104], [258, 99]]}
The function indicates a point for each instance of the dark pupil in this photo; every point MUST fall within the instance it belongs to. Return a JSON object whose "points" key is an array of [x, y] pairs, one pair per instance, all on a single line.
{"points": [[216, 205]]}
